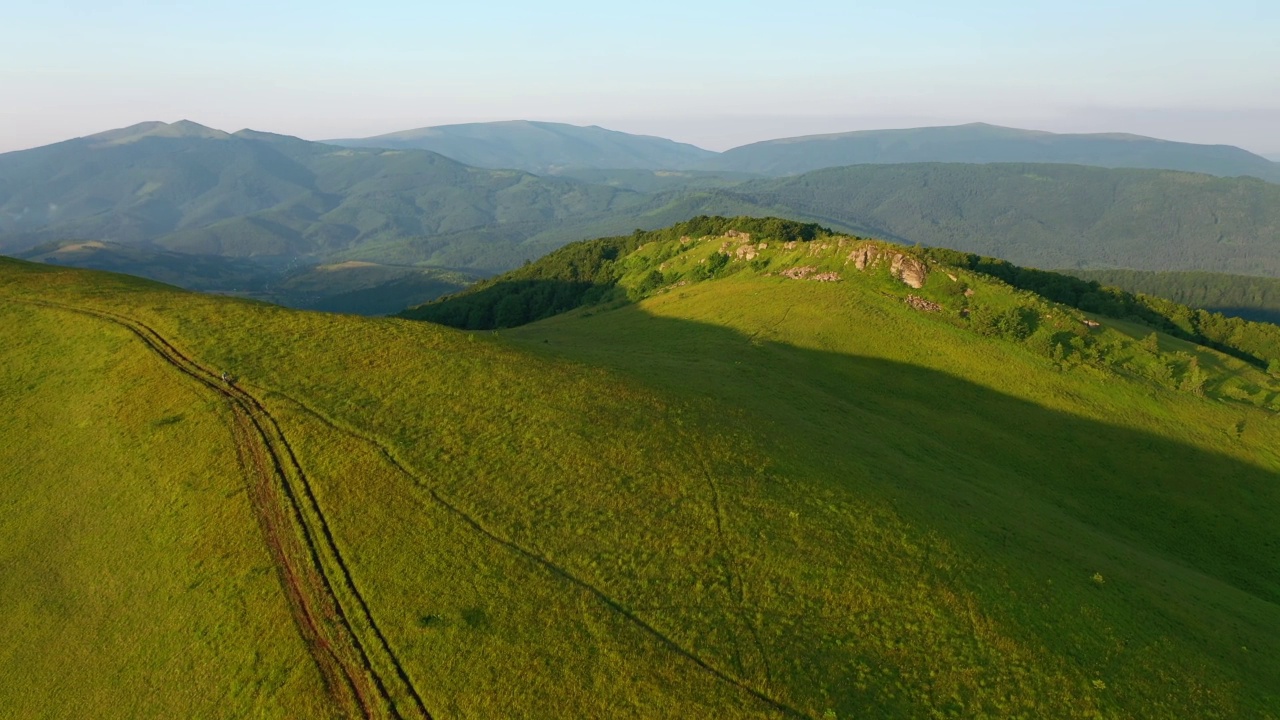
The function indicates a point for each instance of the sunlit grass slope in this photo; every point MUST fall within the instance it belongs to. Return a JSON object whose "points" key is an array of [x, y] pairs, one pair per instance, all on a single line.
{"points": [[133, 577], [757, 496]]}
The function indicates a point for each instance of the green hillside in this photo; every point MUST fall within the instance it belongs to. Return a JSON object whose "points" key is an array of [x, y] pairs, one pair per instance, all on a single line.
{"points": [[1252, 298], [1060, 216], [756, 476], [541, 147], [983, 143]]}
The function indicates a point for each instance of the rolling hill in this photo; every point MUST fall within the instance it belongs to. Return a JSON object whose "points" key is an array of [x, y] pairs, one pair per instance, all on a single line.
{"points": [[541, 147], [755, 470], [983, 143]]}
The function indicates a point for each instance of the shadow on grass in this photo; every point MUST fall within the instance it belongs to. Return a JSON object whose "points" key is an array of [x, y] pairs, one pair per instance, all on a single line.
{"points": [[1205, 510], [1033, 489], [1209, 511]]}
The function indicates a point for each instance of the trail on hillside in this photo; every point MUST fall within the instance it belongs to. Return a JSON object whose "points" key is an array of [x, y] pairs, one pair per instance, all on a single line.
{"points": [[290, 520], [330, 612], [762, 695]]}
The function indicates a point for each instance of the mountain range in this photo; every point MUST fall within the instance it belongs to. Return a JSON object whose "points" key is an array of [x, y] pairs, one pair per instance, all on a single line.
{"points": [[983, 143], [189, 188], [139, 199], [546, 148], [542, 147]]}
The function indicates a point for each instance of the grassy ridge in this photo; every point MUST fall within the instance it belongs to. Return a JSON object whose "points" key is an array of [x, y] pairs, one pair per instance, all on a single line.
{"points": [[751, 493], [590, 272]]}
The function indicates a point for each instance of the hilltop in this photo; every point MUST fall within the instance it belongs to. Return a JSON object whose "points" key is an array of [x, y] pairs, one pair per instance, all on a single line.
{"points": [[741, 468], [983, 143], [542, 147]]}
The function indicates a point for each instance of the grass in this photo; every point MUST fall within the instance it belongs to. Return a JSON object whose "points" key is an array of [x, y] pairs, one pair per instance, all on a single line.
{"points": [[133, 577], [743, 497]]}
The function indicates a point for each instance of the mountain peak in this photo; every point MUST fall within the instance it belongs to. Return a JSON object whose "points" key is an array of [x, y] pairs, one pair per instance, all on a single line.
{"points": [[540, 146], [156, 128]]}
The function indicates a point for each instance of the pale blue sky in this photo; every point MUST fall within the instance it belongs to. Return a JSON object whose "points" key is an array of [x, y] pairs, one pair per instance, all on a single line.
{"points": [[713, 73]]}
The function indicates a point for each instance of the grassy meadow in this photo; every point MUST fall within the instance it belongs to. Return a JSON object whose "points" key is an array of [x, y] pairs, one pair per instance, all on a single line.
{"points": [[743, 496], [132, 573]]}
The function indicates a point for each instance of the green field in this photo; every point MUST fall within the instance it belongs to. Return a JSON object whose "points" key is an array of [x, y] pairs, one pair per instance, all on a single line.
{"points": [[726, 492]]}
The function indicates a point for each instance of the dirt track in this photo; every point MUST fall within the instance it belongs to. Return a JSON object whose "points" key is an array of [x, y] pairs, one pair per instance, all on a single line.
{"points": [[326, 604], [301, 541]]}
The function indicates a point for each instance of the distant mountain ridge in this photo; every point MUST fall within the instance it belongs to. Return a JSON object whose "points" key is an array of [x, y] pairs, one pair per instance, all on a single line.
{"points": [[542, 147], [1044, 215], [164, 191], [983, 143], [189, 188]]}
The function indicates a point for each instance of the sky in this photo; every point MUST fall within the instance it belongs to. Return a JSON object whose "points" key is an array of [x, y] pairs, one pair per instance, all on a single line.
{"points": [[716, 74]]}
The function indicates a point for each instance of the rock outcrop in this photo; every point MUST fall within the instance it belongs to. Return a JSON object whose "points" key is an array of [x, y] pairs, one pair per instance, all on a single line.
{"points": [[808, 272], [920, 303], [911, 271]]}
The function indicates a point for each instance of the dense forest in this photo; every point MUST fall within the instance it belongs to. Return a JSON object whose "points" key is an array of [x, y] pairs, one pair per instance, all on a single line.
{"points": [[1252, 298]]}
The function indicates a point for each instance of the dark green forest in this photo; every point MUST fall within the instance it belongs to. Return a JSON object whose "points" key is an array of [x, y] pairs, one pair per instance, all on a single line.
{"points": [[1252, 298]]}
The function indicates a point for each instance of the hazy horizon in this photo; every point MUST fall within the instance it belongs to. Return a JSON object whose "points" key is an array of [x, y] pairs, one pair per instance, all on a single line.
{"points": [[713, 74]]}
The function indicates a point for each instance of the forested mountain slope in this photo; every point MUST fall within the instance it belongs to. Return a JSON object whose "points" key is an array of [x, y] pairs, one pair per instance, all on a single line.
{"points": [[192, 189], [1250, 297]]}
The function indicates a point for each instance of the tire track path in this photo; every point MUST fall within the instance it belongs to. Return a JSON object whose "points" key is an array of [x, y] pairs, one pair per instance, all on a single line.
{"points": [[552, 567], [289, 526]]}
